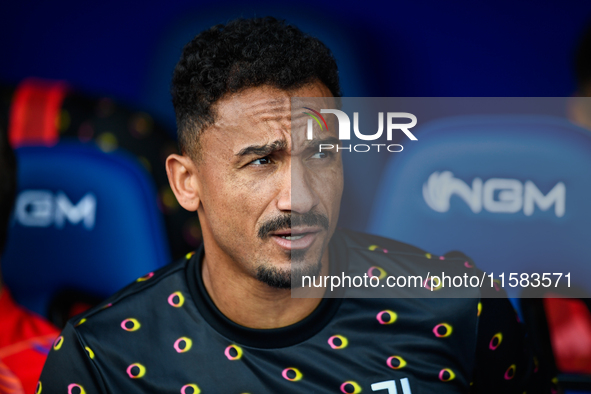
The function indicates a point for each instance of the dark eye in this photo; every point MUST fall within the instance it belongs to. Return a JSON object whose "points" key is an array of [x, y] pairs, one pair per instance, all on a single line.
{"points": [[261, 161]]}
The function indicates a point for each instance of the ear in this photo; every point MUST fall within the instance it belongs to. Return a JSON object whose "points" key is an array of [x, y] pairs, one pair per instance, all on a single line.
{"points": [[182, 176]]}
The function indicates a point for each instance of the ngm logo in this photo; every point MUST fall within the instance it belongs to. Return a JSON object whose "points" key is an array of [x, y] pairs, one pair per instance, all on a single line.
{"points": [[496, 195], [43, 208], [345, 129]]}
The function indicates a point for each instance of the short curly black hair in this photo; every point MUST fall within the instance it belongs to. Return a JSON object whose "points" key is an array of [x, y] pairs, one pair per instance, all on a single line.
{"points": [[243, 53]]}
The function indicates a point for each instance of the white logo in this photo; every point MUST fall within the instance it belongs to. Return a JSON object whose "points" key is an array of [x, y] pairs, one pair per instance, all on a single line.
{"points": [[40, 208], [345, 125], [345, 129], [390, 385], [513, 196]]}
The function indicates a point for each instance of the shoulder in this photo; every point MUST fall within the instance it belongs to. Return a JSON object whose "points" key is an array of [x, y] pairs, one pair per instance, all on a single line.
{"points": [[164, 286], [394, 269], [371, 245]]}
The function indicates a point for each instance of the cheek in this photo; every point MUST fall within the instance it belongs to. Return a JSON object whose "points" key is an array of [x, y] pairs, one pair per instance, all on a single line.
{"points": [[328, 185], [237, 201]]}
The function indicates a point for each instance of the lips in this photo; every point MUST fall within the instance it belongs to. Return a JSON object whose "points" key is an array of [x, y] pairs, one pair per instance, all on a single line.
{"points": [[296, 238]]}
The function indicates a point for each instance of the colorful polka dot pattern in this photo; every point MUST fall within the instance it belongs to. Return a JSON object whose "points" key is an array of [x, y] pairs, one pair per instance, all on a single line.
{"points": [[57, 344], [176, 299], [186, 389], [495, 341], [292, 374], [183, 345], [136, 371], [339, 345], [145, 277], [446, 375], [386, 317], [510, 373], [376, 271], [442, 330], [130, 324], [233, 352], [350, 387], [396, 362], [75, 388], [338, 342]]}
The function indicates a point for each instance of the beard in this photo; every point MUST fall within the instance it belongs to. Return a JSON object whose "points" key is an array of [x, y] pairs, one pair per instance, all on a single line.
{"points": [[288, 278]]}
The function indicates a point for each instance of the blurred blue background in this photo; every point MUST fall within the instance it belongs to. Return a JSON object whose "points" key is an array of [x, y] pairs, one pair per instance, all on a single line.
{"points": [[426, 48], [127, 50]]}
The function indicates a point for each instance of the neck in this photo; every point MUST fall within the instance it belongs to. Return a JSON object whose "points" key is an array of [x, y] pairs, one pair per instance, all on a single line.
{"points": [[249, 302]]}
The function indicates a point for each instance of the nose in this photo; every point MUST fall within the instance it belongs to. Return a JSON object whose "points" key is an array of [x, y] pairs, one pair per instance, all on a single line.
{"points": [[297, 195]]}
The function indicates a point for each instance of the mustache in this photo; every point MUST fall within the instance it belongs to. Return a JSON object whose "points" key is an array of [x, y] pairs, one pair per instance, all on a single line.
{"points": [[286, 221]]}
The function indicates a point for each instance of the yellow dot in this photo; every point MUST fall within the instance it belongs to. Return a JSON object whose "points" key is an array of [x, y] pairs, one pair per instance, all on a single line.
{"points": [[401, 362], [298, 374], [81, 321], [141, 373], [188, 344], [356, 388], [58, 343], [196, 389], [135, 324], [428, 255], [90, 352], [145, 277], [446, 378]]}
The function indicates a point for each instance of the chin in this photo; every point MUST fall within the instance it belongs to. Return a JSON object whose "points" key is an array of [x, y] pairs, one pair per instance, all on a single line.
{"points": [[281, 277]]}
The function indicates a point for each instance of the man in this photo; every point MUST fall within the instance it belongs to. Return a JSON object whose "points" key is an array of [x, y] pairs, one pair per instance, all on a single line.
{"points": [[223, 319], [25, 338]]}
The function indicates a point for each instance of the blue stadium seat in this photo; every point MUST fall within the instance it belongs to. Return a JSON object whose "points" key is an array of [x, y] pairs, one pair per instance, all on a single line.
{"points": [[84, 220], [512, 192]]}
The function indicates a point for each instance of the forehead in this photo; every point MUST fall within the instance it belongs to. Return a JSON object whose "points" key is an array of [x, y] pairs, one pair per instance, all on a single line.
{"points": [[265, 101], [258, 115]]}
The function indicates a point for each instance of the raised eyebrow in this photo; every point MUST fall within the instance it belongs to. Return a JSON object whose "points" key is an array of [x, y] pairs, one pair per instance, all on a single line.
{"points": [[263, 150]]}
